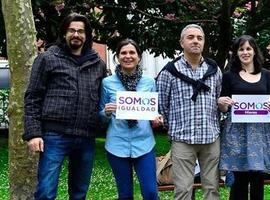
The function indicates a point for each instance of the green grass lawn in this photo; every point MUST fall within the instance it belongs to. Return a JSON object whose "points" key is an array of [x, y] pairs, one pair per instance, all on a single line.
{"points": [[102, 184], [3, 168]]}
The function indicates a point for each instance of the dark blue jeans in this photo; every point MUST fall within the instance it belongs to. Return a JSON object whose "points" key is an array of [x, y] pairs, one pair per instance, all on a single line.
{"points": [[80, 152], [145, 168]]}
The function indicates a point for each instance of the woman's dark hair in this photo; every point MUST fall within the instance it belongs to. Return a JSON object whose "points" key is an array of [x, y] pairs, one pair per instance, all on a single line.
{"points": [[124, 43], [235, 63], [75, 17]]}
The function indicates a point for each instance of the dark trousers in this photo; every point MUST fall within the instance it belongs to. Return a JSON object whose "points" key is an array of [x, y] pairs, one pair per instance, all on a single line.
{"points": [[145, 169], [243, 181]]}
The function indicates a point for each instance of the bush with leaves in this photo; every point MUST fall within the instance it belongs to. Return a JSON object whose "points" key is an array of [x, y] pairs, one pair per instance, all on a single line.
{"points": [[3, 108]]}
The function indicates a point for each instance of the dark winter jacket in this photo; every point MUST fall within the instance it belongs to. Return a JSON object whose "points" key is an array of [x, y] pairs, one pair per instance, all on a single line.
{"points": [[63, 94]]}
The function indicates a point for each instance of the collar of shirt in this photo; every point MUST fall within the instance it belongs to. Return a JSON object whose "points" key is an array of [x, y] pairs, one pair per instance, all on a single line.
{"points": [[184, 67], [187, 64]]}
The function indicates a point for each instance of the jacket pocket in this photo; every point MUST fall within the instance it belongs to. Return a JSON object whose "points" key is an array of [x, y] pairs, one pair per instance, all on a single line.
{"points": [[59, 105]]}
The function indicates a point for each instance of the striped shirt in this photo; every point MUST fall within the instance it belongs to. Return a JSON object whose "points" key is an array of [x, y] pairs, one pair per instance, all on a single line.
{"points": [[188, 121]]}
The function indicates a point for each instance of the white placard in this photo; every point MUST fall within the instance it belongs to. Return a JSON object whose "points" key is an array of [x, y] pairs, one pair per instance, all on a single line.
{"points": [[250, 109], [136, 105]]}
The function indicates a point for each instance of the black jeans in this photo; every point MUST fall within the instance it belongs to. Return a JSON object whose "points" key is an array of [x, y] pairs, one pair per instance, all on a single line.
{"points": [[243, 181]]}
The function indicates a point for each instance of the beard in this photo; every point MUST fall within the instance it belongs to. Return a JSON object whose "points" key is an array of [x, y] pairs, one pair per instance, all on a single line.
{"points": [[75, 43]]}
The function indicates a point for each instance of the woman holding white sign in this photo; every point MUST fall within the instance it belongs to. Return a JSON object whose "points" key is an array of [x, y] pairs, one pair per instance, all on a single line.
{"points": [[245, 146], [129, 143]]}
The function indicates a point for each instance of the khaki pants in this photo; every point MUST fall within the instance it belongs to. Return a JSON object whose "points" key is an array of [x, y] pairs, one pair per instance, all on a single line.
{"points": [[184, 158]]}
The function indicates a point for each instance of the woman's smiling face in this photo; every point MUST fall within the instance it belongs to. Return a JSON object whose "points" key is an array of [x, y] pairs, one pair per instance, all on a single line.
{"points": [[128, 58], [246, 54]]}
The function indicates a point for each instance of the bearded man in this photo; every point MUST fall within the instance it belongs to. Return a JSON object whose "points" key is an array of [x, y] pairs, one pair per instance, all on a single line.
{"points": [[61, 108]]}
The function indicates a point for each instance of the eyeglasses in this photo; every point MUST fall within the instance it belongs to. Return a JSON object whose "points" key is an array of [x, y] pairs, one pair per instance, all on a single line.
{"points": [[73, 31]]}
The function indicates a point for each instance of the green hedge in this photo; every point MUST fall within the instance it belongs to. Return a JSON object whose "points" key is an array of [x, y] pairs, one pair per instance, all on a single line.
{"points": [[3, 108]]}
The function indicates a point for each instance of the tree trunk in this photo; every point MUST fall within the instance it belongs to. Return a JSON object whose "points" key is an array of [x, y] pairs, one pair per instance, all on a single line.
{"points": [[21, 36], [225, 33]]}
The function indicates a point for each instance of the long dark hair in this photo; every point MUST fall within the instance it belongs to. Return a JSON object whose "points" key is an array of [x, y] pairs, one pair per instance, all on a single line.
{"points": [[235, 63], [65, 24], [124, 43]]}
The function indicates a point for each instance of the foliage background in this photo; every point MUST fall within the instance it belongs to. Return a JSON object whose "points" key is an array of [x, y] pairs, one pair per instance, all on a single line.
{"points": [[156, 24]]}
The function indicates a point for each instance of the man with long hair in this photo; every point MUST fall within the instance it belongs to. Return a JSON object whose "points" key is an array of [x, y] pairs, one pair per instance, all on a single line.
{"points": [[61, 108]]}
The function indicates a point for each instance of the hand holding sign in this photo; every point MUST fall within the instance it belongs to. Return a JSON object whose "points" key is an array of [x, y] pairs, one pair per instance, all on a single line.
{"points": [[110, 108], [158, 121], [224, 103]]}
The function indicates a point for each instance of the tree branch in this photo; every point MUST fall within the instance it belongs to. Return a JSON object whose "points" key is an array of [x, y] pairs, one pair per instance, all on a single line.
{"points": [[176, 20]]}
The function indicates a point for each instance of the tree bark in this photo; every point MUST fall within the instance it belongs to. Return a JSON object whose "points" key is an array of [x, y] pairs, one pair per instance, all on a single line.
{"points": [[225, 33], [21, 36]]}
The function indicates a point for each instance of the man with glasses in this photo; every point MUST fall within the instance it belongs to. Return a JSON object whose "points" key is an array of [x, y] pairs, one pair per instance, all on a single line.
{"points": [[61, 108]]}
